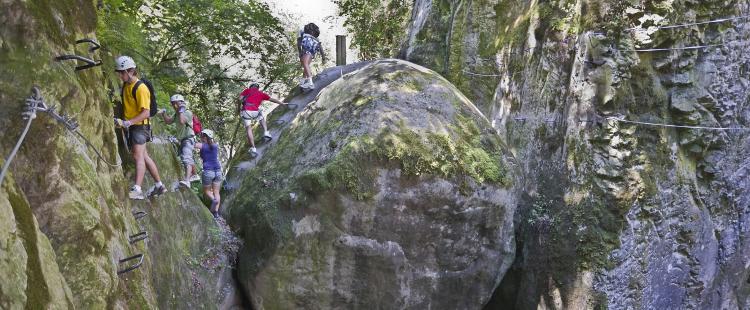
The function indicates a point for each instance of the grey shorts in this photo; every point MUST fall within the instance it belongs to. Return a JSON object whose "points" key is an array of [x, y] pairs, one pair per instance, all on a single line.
{"points": [[248, 117], [211, 176], [139, 134], [186, 151]]}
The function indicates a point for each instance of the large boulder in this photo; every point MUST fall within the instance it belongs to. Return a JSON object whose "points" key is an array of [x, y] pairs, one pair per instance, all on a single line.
{"points": [[390, 189]]}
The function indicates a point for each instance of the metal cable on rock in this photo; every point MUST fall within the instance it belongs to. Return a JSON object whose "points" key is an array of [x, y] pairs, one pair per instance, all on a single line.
{"points": [[672, 49], [675, 126], [479, 74], [721, 20], [6, 165], [91, 145]]}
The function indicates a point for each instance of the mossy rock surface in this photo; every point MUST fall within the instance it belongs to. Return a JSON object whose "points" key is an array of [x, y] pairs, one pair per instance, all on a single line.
{"points": [[66, 217], [390, 188]]}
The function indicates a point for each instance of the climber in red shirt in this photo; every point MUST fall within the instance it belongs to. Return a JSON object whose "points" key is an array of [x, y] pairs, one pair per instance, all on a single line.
{"points": [[249, 109]]}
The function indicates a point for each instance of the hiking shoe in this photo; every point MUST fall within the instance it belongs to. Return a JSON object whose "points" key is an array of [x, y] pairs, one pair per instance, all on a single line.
{"points": [[157, 190], [253, 152], [185, 183], [195, 178], [309, 84], [136, 193]]}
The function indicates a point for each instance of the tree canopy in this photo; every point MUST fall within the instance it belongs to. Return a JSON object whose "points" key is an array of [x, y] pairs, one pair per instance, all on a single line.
{"points": [[377, 25], [207, 50]]}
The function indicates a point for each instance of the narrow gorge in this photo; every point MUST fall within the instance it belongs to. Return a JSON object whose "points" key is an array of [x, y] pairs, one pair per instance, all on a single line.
{"points": [[570, 154]]}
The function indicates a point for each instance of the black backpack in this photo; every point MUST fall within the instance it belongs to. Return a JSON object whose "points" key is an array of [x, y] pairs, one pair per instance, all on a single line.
{"points": [[312, 29], [153, 107]]}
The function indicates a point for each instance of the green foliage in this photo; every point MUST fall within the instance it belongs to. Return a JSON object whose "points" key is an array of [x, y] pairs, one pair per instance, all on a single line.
{"points": [[415, 154], [541, 211], [207, 50], [377, 25]]}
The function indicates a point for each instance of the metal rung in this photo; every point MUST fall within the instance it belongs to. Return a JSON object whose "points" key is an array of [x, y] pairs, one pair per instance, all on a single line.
{"points": [[139, 214], [279, 122], [90, 63], [292, 105], [94, 45], [138, 237], [137, 265]]}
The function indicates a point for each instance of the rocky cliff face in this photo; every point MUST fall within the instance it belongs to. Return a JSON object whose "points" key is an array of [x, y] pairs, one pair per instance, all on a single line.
{"points": [[66, 219], [389, 189], [613, 213]]}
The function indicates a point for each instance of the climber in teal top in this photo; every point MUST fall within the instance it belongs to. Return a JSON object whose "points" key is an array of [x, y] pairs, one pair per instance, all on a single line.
{"points": [[184, 134], [212, 176]]}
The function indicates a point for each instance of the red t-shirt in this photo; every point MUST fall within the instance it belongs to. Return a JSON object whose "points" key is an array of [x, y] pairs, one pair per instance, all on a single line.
{"points": [[254, 98]]}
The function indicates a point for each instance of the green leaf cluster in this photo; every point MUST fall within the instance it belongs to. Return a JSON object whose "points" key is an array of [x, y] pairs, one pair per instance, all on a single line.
{"points": [[378, 26]]}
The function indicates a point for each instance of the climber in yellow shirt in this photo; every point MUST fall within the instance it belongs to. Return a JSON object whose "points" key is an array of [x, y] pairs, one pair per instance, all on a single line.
{"points": [[137, 107]]}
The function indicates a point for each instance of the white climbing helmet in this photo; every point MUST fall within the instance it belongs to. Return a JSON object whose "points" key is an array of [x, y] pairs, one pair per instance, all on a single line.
{"points": [[209, 133], [176, 97], [124, 63]]}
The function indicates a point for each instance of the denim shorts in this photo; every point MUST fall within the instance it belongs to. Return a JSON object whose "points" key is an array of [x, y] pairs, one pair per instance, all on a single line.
{"points": [[186, 151], [211, 176], [309, 45]]}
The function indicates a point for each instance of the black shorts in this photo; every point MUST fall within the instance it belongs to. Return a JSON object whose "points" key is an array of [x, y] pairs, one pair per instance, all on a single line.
{"points": [[139, 134]]}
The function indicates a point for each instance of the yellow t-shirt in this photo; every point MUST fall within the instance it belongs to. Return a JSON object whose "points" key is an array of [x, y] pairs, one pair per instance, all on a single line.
{"points": [[134, 107]]}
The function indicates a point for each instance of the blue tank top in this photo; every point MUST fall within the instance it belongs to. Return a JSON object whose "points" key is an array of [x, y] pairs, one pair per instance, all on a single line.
{"points": [[210, 156]]}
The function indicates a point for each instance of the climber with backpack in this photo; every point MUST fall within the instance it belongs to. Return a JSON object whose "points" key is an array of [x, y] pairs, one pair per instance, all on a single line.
{"points": [[307, 45], [249, 109], [139, 104], [187, 123]]}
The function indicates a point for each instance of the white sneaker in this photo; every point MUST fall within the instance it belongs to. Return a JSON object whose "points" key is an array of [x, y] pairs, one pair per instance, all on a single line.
{"points": [[184, 183], [136, 193], [310, 84], [195, 178], [267, 135], [253, 151]]}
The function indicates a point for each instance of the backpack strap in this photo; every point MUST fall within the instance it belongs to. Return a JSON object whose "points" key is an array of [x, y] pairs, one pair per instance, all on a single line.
{"points": [[135, 88], [135, 98]]}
